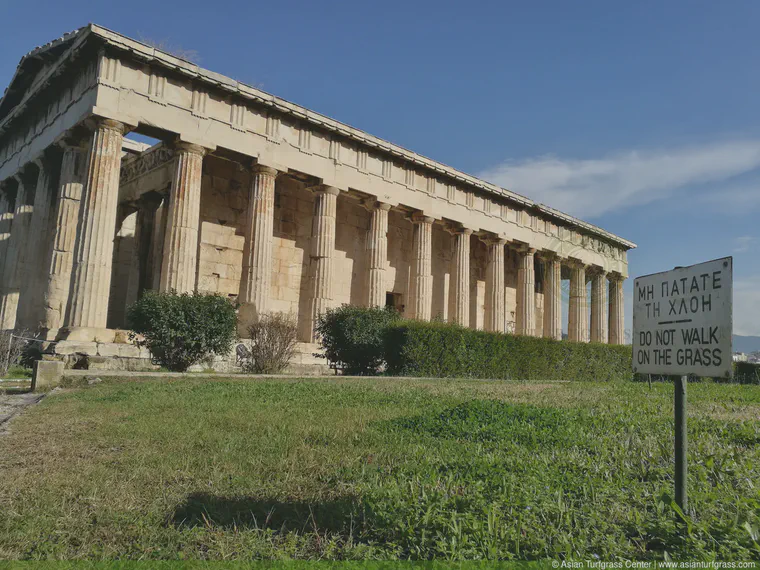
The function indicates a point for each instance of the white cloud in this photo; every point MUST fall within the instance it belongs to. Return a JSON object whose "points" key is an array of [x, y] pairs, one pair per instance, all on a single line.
{"points": [[747, 306], [733, 198], [743, 244], [591, 187]]}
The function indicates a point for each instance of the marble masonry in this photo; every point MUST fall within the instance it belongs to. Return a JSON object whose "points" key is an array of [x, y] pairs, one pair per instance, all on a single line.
{"points": [[260, 200]]}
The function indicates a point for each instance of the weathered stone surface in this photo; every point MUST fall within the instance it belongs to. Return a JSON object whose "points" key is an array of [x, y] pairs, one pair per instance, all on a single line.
{"points": [[577, 315], [599, 317], [421, 295], [617, 330], [61, 259], [180, 259], [322, 252], [94, 246], [15, 267], [552, 297], [377, 253], [460, 277], [495, 320], [526, 298], [257, 251], [47, 374]]}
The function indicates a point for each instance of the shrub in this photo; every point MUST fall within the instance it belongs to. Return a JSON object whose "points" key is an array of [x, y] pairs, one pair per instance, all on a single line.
{"points": [[746, 373], [182, 329], [273, 342], [12, 350], [414, 348], [352, 337]]}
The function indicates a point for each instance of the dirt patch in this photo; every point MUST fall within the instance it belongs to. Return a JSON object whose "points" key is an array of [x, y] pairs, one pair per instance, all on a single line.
{"points": [[12, 404]]}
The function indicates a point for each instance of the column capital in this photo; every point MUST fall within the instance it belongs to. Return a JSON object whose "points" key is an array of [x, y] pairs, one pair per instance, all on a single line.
{"points": [[493, 240], [257, 168], [97, 122], [74, 140], [372, 204], [189, 148], [455, 229], [574, 263], [325, 189], [549, 255], [421, 218], [594, 270], [615, 276], [524, 249]]}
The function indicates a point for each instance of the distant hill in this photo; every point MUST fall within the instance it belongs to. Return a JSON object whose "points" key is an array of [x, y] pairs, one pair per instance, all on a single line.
{"points": [[746, 343]]}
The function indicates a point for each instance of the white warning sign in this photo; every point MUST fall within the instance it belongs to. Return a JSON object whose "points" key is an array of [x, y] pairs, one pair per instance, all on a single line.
{"points": [[682, 321]]}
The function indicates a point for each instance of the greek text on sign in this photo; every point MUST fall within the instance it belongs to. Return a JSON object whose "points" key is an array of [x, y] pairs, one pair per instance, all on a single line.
{"points": [[682, 321]]}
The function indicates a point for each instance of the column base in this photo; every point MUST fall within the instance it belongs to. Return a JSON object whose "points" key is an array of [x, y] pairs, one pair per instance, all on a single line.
{"points": [[87, 334]]}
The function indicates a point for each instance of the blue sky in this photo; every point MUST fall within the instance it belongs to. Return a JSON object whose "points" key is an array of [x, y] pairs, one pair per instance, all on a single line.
{"points": [[641, 117]]}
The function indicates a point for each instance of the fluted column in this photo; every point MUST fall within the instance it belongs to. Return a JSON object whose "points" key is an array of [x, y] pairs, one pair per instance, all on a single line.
{"points": [[377, 253], [322, 253], [577, 316], [93, 255], [60, 262], [617, 321], [460, 277], [256, 279], [180, 254], [15, 256], [599, 306], [552, 296], [31, 306], [495, 318], [526, 293], [422, 270], [7, 209]]}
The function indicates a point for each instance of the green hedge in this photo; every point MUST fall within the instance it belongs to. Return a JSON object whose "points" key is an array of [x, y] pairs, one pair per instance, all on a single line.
{"points": [[414, 348], [746, 373]]}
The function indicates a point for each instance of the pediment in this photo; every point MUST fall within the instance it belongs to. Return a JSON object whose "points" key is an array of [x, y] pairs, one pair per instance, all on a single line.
{"points": [[32, 68]]}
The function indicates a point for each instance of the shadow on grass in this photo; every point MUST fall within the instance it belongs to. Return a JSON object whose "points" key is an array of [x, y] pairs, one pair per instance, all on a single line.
{"points": [[201, 509]]}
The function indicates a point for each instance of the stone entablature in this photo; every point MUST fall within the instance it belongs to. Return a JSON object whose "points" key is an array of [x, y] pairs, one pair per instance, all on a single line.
{"points": [[265, 201]]}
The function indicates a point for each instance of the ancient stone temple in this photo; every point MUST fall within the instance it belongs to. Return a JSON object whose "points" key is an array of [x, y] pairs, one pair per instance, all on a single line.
{"points": [[261, 200]]}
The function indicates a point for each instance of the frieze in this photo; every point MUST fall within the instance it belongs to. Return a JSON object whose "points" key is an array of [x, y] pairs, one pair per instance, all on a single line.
{"points": [[144, 163]]}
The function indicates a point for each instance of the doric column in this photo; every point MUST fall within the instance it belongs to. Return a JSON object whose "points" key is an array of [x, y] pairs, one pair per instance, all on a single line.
{"points": [[577, 316], [60, 262], [617, 321], [422, 271], [93, 255], [141, 268], [322, 253], [599, 305], [7, 209], [180, 254], [256, 279], [377, 253], [495, 320], [31, 306], [15, 265], [460, 277], [552, 296], [526, 292]]}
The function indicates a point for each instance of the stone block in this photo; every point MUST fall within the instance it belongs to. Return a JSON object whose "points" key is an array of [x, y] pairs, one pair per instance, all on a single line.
{"points": [[65, 347], [47, 374]]}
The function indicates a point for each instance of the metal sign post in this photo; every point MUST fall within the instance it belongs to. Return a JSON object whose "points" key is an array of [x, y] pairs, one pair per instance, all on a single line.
{"points": [[682, 325], [681, 440]]}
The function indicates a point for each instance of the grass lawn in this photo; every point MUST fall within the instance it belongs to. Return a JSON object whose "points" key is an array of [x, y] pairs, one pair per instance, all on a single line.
{"points": [[377, 468]]}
